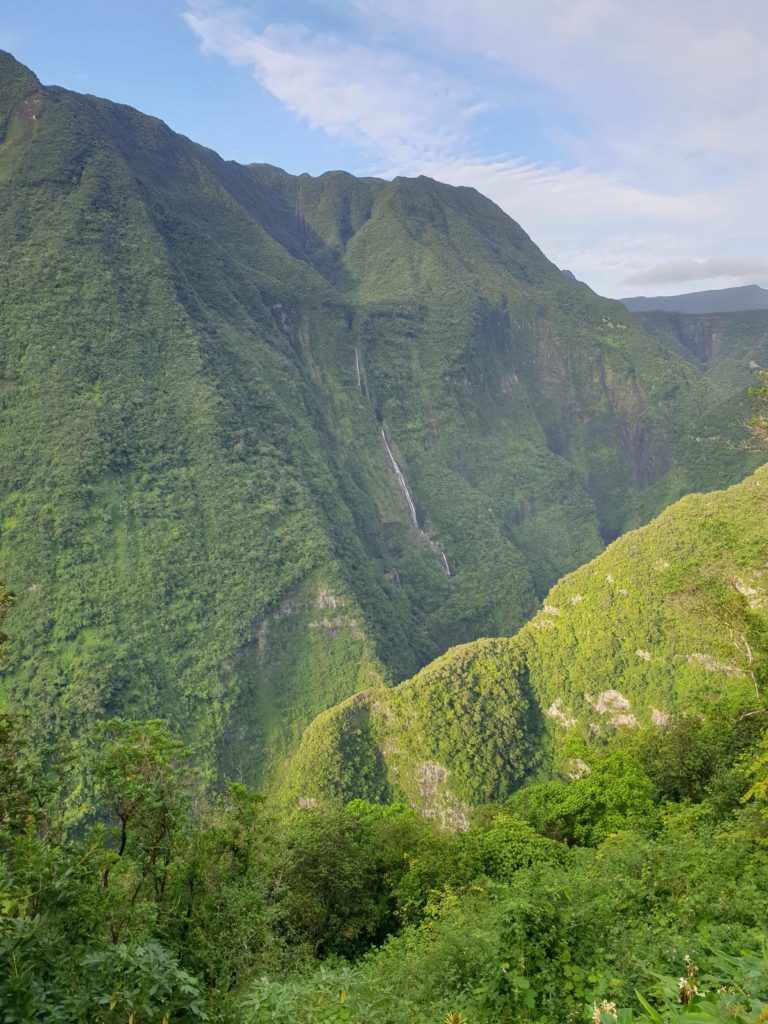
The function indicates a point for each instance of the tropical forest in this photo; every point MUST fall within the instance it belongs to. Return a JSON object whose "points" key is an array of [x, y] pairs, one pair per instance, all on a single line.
{"points": [[383, 612]]}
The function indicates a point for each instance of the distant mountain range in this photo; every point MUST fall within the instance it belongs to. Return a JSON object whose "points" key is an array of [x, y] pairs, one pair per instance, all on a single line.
{"points": [[716, 300]]}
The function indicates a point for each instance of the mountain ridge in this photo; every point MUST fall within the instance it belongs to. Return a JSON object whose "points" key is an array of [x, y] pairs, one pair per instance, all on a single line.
{"points": [[211, 376], [715, 300], [670, 620]]}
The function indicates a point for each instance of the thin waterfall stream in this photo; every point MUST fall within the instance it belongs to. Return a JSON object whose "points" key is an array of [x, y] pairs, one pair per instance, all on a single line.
{"points": [[402, 484]]}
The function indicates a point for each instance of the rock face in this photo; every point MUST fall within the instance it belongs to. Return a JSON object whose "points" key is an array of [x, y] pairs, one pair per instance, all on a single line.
{"points": [[699, 335], [229, 395], [726, 347]]}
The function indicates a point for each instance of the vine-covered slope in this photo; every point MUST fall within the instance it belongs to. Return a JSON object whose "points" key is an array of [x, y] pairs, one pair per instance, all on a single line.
{"points": [[671, 618], [266, 440]]}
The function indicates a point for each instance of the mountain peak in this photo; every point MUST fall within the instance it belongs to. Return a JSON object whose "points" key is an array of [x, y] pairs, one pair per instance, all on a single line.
{"points": [[16, 82], [16, 79]]}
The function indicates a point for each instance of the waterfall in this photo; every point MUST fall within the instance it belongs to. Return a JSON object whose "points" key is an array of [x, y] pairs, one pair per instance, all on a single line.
{"points": [[301, 220], [360, 380], [436, 546], [401, 481], [402, 484]]}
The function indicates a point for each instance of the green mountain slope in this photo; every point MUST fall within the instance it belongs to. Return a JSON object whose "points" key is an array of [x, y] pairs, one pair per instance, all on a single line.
{"points": [[672, 617], [727, 347], [265, 439]]}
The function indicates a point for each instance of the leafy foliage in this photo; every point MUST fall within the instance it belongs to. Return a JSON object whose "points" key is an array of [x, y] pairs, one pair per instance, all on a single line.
{"points": [[180, 907], [463, 729]]}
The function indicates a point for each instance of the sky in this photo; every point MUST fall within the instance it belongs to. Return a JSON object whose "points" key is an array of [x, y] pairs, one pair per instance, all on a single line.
{"points": [[627, 138]]}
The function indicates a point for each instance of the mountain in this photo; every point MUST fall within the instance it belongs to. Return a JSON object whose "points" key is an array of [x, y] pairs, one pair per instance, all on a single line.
{"points": [[724, 346], [671, 618], [716, 300], [268, 440]]}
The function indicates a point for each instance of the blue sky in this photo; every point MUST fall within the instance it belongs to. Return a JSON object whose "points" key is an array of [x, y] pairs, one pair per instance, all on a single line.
{"points": [[627, 138]]}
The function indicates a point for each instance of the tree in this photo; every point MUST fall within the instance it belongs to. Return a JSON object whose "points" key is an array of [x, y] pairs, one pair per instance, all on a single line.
{"points": [[142, 778], [224, 895]]}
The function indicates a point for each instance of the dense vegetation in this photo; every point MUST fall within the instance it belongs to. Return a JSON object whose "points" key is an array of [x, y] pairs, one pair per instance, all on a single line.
{"points": [[721, 345], [200, 516], [198, 513], [213, 379], [625, 881], [671, 618], [583, 900]]}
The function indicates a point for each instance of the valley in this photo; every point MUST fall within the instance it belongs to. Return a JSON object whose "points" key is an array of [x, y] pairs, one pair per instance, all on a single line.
{"points": [[384, 613], [232, 397]]}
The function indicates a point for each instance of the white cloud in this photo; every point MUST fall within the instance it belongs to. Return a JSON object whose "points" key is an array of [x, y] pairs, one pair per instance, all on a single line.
{"points": [[377, 99], [697, 65], [657, 109], [744, 269], [561, 208]]}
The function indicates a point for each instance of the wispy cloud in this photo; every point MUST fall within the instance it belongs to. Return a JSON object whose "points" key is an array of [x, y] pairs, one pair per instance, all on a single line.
{"points": [[376, 99], [655, 113], [628, 70], [728, 268]]}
